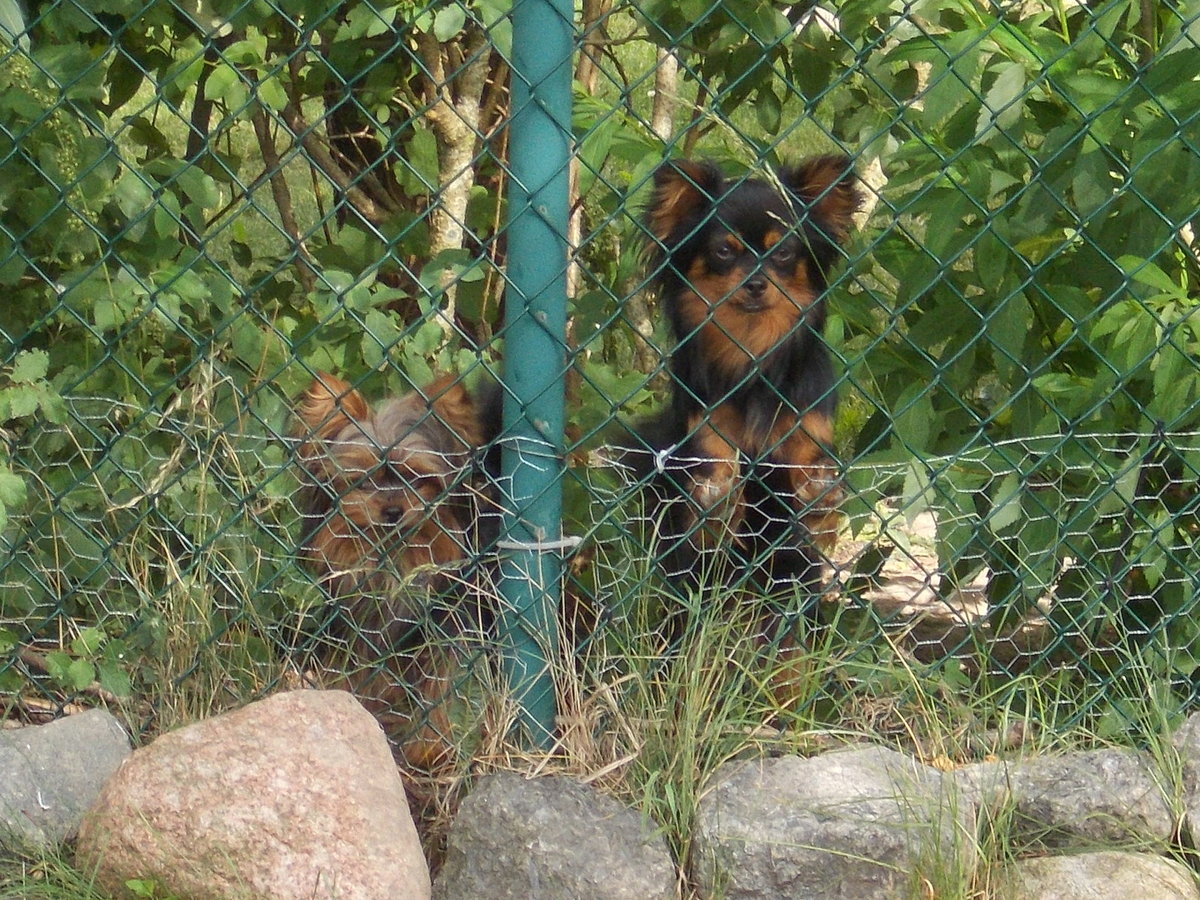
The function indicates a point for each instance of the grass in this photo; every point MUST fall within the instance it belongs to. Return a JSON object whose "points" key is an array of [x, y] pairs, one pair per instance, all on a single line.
{"points": [[50, 875], [644, 722], [651, 726]]}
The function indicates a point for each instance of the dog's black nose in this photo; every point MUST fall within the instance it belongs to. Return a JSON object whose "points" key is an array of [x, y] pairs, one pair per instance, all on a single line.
{"points": [[756, 285], [392, 514]]}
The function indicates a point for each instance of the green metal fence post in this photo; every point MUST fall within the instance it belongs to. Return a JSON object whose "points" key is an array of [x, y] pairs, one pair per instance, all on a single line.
{"points": [[534, 342]]}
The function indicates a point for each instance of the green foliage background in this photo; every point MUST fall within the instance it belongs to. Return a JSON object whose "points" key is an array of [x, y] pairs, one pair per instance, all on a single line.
{"points": [[205, 202]]}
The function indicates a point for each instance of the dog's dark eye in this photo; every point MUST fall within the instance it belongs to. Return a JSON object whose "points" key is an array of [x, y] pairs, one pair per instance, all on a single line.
{"points": [[784, 256], [723, 253], [387, 475]]}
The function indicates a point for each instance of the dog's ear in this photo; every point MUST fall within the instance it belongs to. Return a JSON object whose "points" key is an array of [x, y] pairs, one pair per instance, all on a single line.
{"points": [[828, 188], [683, 191], [455, 408], [328, 406]]}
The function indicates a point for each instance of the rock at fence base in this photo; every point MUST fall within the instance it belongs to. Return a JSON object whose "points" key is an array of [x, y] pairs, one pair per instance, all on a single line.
{"points": [[863, 823], [551, 837], [50, 774], [1105, 874], [296, 796], [1187, 743], [1083, 799]]}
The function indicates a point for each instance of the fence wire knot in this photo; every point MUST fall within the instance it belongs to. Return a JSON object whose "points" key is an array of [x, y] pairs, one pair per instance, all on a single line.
{"points": [[661, 457], [568, 542]]}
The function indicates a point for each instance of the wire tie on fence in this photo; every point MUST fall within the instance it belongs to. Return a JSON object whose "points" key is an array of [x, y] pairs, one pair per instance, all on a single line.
{"points": [[530, 446], [570, 542], [661, 457]]}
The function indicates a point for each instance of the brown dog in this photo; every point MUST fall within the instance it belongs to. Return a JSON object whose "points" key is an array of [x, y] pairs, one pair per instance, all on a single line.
{"points": [[393, 508]]}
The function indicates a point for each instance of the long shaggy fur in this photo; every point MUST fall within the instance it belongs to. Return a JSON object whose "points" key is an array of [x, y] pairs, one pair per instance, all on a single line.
{"points": [[740, 460], [395, 520]]}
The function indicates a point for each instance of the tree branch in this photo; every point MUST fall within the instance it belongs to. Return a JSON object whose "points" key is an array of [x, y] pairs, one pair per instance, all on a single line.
{"points": [[283, 197]]}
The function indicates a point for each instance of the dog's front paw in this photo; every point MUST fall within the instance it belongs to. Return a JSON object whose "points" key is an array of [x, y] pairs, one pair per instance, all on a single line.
{"points": [[716, 501], [818, 497], [715, 489], [819, 488]]}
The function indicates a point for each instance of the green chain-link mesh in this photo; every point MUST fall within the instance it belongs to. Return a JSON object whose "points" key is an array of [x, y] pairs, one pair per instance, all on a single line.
{"points": [[206, 204]]}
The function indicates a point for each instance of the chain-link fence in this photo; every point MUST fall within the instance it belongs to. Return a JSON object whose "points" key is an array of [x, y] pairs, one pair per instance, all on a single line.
{"points": [[268, 420]]}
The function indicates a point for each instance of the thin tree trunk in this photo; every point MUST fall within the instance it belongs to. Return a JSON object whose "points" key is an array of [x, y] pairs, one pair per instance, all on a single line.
{"points": [[666, 96], [454, 115], [592, 47]]}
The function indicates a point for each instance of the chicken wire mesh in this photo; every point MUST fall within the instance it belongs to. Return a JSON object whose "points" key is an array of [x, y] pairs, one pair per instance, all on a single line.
{"points": [[207, 205]]}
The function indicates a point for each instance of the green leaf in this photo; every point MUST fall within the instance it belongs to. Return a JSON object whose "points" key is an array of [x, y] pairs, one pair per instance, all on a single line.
{"points": [[1008, 330], [769, 110], [87, 642], [21, 402], [142, 887], [114, 679], [913, 418], [448, 267], [106, 315], [1091, 183], [953, 79], [420, 173], [248, 342], [1135, 342], [249, 52], [594, 143], [1148, 273], [12, 487], [359, 296], [30, 366], [958, 524], [124, 79], [917, 494], [12, 24], [379, 334], [74, 69], [1003, 102], [993, 259], [12, 493], [58, 665], [199, 186], [133, 194], [220, 81], [495, 15], [271, 94], [167, 215], [382, 22], [1006, 505], [449, 21]]}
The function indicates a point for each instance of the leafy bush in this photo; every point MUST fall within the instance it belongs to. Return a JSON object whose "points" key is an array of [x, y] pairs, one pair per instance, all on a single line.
{"points": [[202, 209]]}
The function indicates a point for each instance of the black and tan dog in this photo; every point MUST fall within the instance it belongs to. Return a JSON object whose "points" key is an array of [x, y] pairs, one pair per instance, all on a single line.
{"points": [[739, 459]]}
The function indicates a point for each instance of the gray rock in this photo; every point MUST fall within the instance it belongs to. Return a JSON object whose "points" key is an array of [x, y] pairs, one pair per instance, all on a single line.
{"points": [[1187, 743], [862, 823], [551, 838], [296, 796], [1077, 800], [1105, 875], [50, 775]]}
